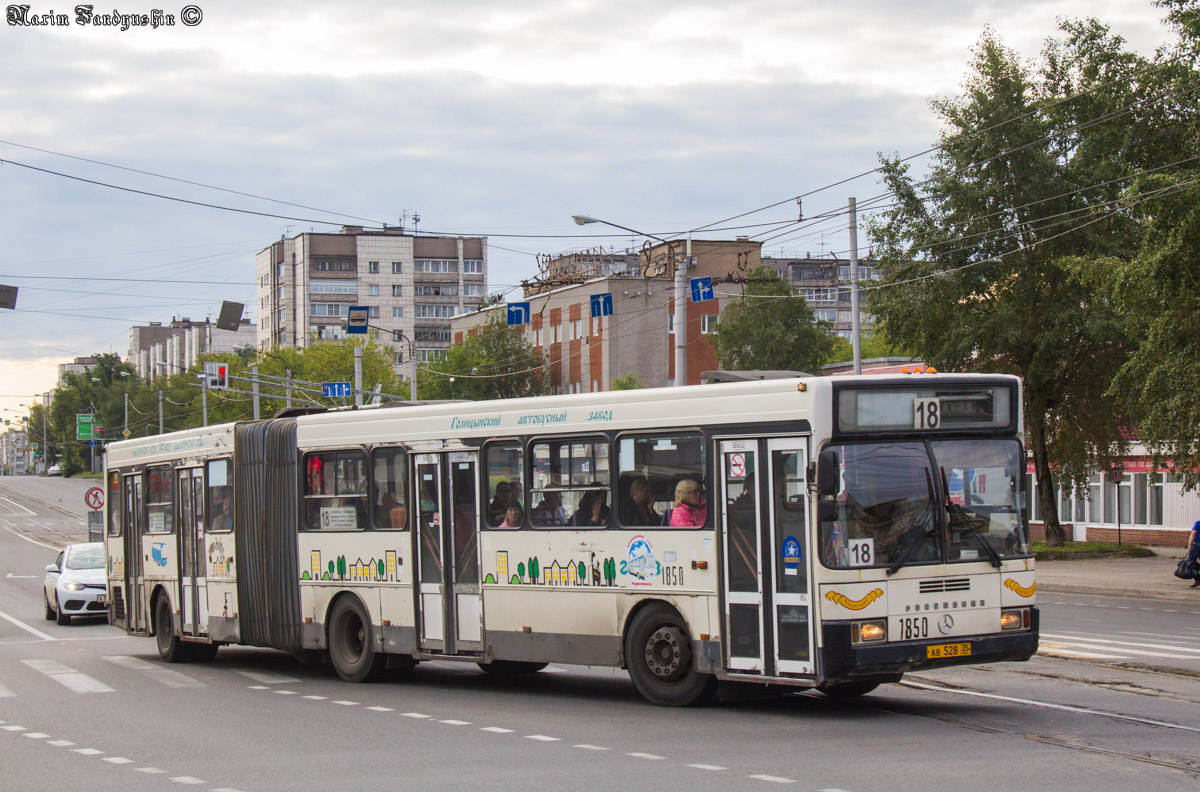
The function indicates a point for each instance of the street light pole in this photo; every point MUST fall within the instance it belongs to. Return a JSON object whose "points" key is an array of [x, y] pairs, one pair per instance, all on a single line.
{"points": [[679, 274]]}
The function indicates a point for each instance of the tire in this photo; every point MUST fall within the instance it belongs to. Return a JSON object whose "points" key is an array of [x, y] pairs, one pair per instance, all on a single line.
{"points": [[170, 648], [848, 689], [350, 650], [59, 616], [511, 667], [658, 652], [50, 614]]}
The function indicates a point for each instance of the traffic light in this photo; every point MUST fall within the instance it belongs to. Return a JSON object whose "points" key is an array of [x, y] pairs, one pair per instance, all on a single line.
{"points": [[217, 375]]}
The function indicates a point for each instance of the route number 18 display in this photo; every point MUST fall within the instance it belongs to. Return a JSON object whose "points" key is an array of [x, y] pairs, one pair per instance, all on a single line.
{"points": [[927, 413]]}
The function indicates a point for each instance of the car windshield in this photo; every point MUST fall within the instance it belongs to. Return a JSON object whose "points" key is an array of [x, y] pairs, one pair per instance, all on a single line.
{"points": [[90, 557], [907, 503]]}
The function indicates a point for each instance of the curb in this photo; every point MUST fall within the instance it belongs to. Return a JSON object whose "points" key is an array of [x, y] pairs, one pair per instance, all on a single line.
{"points": [[1185, 595]]}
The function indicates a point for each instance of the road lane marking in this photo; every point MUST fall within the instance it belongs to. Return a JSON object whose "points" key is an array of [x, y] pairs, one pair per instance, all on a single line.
{"points": [[1048, 705], [381, 709], [639, 755], [87, 751], [20, 535], [773, 779], [117, 760], [415, 715], [26, 627], [61, 743], [166, 676], [346, 703], [707, 767], [75, 681], [5, 692], [452, 722], [187, 780], [151, 770], [14, 728], [265, 677], [541, 738], [35, 735], [1077, 639], [496, 729], [586, 747], [11, 576], [18, 505], [311, 698]]}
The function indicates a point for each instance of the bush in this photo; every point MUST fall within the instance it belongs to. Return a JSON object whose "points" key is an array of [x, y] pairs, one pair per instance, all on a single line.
{"points": [[1070, 550]]}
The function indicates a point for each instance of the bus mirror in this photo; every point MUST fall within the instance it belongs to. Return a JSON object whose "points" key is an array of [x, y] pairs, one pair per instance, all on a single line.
{"points": [[826, 511], [827, 472]]}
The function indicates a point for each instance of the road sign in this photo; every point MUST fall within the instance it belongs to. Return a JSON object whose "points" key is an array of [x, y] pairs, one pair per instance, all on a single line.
{"points": [[8, 296], [518, 313], [94, 498], [357, 321], [83, 426], [335, 390], [602, 304], [702, 289], [126, 432]]}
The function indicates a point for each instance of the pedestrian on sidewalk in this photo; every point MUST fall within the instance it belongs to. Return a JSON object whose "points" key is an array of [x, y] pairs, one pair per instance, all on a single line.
{"points": [[1194, 552]]}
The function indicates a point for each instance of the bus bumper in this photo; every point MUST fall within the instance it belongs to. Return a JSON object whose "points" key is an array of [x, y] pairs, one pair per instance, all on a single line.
{"points": [[842, 659]]}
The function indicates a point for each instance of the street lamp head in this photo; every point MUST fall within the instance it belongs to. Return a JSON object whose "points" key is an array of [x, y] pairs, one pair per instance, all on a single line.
{"points": [[584, 219]]}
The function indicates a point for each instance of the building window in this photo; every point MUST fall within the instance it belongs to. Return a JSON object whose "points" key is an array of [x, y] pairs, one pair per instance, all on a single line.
{"points": [[575, 325], [537, 337], [373, 267], [397, 267], [330, 287], [818, 295], [328, 265], [473, 266], [824, 314], [670, 323], [426, 311], [372, 311], [708, 323], [397, 312], [436, 290], [555, 334], [327, 309], [436, 265], [397, 290], [373, 290], [433, 334], [473, 289], [430, 355]]}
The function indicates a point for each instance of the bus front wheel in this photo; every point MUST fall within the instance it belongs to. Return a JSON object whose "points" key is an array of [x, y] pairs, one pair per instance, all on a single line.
{"points": [[658, 653], [170, 648], [350, 650]]}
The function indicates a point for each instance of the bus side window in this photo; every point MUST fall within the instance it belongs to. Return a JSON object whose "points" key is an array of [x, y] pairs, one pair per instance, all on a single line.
{"points": [[219, 496], [390, 497], [504, 468], [335, 491], [114, 503], [650, 469]]}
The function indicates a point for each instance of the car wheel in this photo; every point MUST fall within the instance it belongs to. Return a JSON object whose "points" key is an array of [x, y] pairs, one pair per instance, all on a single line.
{"points": [[658, 652], [170, 648], [350, 650], [59, 616], [49, 611]]}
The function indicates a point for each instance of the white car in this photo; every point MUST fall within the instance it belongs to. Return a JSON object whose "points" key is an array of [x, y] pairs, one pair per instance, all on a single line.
{"points": [[75, 583], [54, 470]]}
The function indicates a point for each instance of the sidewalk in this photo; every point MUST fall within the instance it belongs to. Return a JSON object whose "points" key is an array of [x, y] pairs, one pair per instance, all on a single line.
{"points": [[1144, 578]]}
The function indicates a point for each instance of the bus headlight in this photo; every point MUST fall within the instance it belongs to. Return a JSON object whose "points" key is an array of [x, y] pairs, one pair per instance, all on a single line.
{"points": [[868, 631], [1015, 619]]}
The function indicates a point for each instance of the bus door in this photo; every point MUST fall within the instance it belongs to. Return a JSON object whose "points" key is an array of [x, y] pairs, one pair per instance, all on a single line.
{"points": [[132, 522], [766, 564], [450, 597], [193, 597]]}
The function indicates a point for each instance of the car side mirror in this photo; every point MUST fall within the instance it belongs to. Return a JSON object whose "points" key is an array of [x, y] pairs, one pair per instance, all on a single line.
{"points": [[827, 472], [52, 568]]}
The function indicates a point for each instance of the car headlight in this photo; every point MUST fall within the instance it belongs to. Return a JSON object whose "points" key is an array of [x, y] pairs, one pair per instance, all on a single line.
{"points": [[1015, 619], [868, 631], [71, 585]]}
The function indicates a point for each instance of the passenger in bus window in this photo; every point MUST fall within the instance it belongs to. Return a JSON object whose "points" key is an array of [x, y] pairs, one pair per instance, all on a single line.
{"points": [[550, 511], [513, 518], [592, 510], [398, 514], [224, 519], [504, 498], [638, 507], [690, 508]]}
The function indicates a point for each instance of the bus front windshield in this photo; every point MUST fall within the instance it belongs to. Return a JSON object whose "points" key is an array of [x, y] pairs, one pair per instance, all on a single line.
{"points": [[909, 503]]}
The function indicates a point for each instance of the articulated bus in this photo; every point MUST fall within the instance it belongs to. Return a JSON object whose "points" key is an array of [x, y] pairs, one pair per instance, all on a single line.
{"points": [[814, 532]]}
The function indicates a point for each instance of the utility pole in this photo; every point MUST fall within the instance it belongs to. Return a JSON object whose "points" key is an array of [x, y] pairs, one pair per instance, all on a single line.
{"points": [[254, 385], [681, 312], [125, 433], [204, 397], [357, 376], [287, 373], [160, 420], [855, 328]]}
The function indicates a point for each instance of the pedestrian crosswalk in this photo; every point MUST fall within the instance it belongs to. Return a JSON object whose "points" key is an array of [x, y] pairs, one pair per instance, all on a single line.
{"points": [[14, 683], [1123, 646]]}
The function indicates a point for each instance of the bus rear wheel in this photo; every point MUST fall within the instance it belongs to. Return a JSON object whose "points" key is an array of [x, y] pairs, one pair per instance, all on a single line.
{"points": [[658, 652], [170, 648], [350, 650]]}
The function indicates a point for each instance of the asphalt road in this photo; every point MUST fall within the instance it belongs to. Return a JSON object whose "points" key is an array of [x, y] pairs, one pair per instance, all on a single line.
{"points": [[86, 707]]}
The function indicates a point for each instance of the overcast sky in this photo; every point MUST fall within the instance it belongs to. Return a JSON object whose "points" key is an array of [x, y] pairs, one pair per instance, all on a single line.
{"points": [[494, 118]]}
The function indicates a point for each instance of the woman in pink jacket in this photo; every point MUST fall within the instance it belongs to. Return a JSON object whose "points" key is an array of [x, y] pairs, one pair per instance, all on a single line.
{"points": [[690, 508]]}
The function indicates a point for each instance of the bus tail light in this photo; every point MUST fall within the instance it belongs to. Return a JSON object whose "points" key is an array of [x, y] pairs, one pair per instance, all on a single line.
{"points": [[868, 631], [1015, 619]]}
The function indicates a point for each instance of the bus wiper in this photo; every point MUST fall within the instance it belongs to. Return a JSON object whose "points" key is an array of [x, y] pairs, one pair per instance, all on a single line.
{"points": [[902, 557], [960, 519]]}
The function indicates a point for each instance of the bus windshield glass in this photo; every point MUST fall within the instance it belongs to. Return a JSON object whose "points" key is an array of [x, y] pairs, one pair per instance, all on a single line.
{"points": [[912, 503]]}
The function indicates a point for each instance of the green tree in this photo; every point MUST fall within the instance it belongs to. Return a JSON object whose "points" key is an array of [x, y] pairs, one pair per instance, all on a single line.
{"points": [[627, 382], [981, 262], [770, 327], [495, 362]]}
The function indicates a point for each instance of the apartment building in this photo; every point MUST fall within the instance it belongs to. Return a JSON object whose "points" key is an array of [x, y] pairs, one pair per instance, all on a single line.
{"points": [[411, 285], [157, 350], [824, 283]]}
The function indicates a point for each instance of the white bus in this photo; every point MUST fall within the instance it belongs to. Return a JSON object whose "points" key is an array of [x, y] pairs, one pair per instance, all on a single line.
{"points": [[829, 533]]}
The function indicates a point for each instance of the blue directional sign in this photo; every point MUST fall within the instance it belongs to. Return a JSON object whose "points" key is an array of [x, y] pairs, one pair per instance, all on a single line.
{"points": [[335, 390], [702, 289], [357, 320], [518, 313], [602, 304]]}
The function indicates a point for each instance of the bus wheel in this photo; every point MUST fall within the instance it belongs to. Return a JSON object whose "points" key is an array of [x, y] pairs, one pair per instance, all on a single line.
{"points": [[848, 689], [170, 648], [511, 667], [350, 642], [658, 652]]}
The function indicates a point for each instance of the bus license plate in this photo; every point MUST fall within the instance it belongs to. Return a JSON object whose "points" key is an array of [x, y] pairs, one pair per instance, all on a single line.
{"points": [[938, 651]]}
